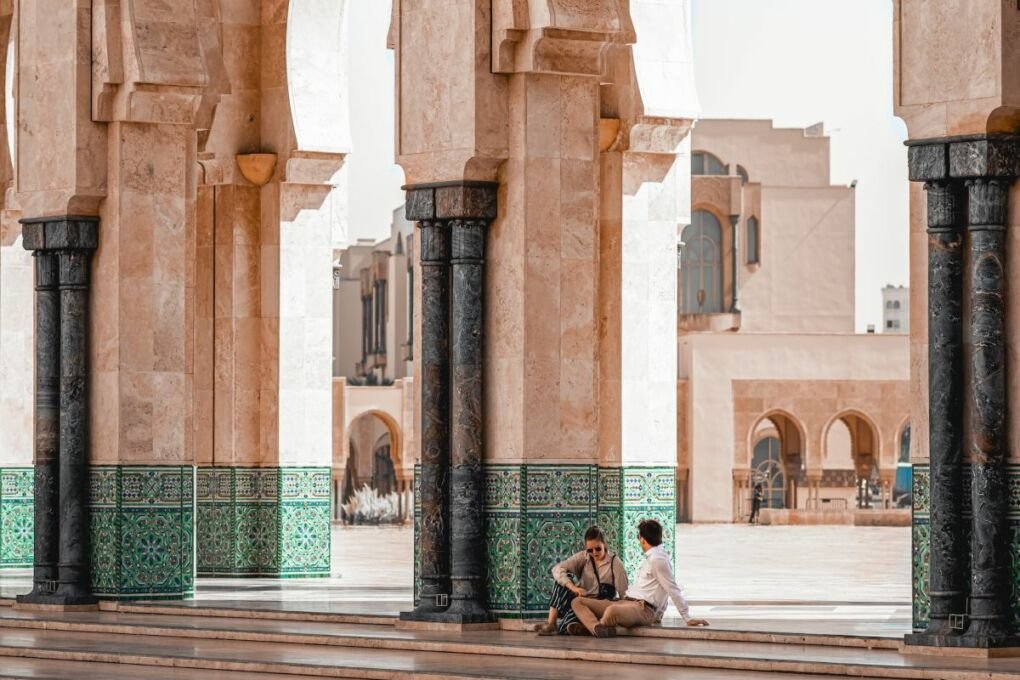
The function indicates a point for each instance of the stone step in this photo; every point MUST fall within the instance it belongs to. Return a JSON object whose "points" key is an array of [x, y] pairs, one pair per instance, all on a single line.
{"points": [[152, 657], [334, 650], [729, 633], [41, 669]]}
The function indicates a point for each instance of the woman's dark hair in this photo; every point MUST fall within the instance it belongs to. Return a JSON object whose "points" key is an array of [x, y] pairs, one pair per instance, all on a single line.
{"points": [[651, 531], [594, 534]]}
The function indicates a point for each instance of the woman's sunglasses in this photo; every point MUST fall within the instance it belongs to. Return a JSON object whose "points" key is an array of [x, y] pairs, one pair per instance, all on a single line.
{"points": [[595, 550]]}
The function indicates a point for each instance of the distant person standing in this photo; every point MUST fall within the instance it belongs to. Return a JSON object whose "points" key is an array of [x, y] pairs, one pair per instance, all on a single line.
{"points": [[756, 498]]}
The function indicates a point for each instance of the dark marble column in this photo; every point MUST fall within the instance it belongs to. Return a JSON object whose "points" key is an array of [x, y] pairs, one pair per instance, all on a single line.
{"points": [[987, 445], [75, 583], [948, 554], [453, 218], [47, 424], [970, 586], [735, 227], [64, 247], [468, 600]]}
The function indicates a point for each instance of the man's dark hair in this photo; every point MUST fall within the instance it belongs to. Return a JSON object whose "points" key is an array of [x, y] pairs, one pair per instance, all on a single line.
{"points": [[651, 531], [594, 534]]}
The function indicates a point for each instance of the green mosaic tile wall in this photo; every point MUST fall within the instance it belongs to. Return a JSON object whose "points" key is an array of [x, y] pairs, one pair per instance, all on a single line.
{"points": [[263, 522], [536, 516], [142, 526], [16, 517], [921, 539]]}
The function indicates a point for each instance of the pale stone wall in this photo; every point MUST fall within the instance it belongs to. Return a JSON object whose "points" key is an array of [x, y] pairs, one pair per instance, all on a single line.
{"points": [[712, 364], [17, 393]]}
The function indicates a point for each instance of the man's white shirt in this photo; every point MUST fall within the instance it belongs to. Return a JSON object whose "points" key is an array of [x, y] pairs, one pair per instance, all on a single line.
{"points": [[656, 585]]}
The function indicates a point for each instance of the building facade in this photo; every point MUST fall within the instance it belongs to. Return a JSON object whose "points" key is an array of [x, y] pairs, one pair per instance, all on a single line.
{"points": [[767, 352], [895, 309]]}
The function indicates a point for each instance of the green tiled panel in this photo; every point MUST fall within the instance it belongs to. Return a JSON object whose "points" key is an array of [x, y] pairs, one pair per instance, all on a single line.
{"points": [[264, 521], [17, 517], [536, 515], [921, 540], [142, 524]]}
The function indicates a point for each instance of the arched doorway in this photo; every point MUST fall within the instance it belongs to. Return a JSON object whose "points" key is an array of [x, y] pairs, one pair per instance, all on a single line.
{"points": [[767, 470], [370, 489], [776, 461], [701, 272], [854, 438]]}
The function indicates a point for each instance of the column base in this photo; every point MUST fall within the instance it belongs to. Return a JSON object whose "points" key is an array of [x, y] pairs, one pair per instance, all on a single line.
{"points": [[961, 645], [270, 522], [56, 603], [450, 621]]}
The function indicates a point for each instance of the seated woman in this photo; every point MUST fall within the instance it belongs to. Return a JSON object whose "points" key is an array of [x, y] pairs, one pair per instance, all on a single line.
{"points": [[593, 572]]}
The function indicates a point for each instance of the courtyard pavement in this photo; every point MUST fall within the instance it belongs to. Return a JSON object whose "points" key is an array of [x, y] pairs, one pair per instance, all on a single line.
{"points": [[833, 579]]}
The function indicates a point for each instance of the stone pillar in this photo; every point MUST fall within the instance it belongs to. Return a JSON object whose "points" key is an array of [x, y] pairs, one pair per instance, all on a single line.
{"points": [[467, 517], [433, 539], [63, 248], [47, 423], [453, 219], [987, 446], [978, 613], [735, 263]]}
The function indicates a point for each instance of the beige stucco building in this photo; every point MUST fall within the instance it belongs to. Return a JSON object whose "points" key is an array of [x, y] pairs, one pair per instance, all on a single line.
{"points": [[775, 386]]}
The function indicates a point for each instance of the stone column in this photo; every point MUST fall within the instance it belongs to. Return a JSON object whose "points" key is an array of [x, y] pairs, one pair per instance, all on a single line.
{"points": [[946, 210], [434, 360], [467, 516], [64, 251], [735, 266], [47, 423], [987, 407]]}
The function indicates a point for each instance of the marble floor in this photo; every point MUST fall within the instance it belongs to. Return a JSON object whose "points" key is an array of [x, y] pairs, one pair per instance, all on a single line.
{"points": [[792, 579]]}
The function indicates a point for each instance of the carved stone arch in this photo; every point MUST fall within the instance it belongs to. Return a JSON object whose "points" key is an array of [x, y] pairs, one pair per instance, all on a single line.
{"points": [[316, 75]]}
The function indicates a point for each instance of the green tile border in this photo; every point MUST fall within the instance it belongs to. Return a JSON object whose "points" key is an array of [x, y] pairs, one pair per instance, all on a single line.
{"points": [[537, 514], [264, 521], [142, 528], [17, 517]]}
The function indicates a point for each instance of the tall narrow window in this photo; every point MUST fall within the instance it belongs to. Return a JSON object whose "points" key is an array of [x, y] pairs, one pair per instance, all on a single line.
{"points": [[701, 266], [753, 243]]}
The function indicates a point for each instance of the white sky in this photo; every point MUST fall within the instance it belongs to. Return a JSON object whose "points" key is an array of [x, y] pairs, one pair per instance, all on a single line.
{"points": [[801, 62], [798, 62], [374, 179]]}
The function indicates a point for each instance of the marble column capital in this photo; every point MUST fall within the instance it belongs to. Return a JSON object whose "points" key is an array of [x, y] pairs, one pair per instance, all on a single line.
{"points": [[461, 199], [964, 157], [60, 233]]}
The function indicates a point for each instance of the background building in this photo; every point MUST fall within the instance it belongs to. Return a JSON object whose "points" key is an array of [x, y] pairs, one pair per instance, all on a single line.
{"points": [[895, 309], [774, 385]]}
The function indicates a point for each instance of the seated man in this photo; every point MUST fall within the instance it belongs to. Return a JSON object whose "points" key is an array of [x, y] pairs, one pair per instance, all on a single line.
{"points": [[646, 599]]}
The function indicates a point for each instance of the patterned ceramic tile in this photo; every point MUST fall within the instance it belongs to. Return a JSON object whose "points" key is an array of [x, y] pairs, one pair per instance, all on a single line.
{"points": [[142, 521], [921, 539], [264, 521], [17, 519], [536, 515]]}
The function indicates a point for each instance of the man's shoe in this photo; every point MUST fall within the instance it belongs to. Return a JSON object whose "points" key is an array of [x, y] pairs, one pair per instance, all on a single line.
{"points": [[576, 629], [604, 631]]}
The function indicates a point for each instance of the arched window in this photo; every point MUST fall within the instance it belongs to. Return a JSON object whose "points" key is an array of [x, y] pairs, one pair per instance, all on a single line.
{"points": [[701, 266], [896, 304], [753, 243], [744, 177], [703, 163]]}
